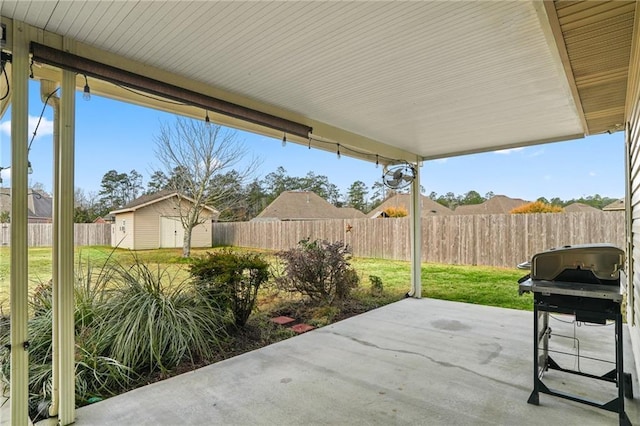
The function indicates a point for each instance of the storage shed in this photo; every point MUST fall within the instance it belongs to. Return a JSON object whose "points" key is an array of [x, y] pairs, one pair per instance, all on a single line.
{"points": [[153, 221]]}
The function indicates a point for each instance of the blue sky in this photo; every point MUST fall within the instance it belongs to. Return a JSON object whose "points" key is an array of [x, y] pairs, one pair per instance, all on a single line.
{"points": [[115, 135]]}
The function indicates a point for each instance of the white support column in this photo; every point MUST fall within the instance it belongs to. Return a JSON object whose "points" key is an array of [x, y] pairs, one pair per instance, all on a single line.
{"points": [[19, 218], [65, 174], [415, 213], [46, 89]]}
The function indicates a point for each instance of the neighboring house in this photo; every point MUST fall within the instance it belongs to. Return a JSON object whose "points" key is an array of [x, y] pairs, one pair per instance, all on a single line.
{"points": [[351, 213], [498, 204], [616, 205], [153, 221], [105, 219], [581, 208], [428, 207], [39, 205], [304, 205]]}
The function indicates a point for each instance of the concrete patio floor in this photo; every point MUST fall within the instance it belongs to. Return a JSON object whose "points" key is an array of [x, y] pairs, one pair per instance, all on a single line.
{"points": [[412, 362]]}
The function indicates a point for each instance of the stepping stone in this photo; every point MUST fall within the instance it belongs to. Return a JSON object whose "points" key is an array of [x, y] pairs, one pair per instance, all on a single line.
{"points": [[283, 320], [302, 328]]}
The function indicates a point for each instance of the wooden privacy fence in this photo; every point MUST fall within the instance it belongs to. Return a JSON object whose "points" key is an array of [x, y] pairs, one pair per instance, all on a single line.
{"points": [[494, 240], [41, 234]]}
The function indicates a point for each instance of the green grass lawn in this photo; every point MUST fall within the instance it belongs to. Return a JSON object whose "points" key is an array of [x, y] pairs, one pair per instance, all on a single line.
{"points": [[481, 285], [471, 284]]}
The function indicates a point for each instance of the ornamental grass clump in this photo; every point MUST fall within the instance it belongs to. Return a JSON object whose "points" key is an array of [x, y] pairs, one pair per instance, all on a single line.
{"points": [[158, 322], [131, 322], [97, 375], [231, 280], [319, 270]]}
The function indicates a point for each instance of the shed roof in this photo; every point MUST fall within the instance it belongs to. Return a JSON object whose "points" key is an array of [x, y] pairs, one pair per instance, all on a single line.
{"points": [[149, 199], [498, 204], [428, 207]]}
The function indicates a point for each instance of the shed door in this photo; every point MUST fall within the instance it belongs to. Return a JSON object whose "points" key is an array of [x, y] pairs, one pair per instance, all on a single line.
{"points": [[171, 232]]}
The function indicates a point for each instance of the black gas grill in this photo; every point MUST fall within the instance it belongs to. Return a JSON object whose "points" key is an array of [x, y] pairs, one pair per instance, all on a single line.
{"points": [[583, 281]]}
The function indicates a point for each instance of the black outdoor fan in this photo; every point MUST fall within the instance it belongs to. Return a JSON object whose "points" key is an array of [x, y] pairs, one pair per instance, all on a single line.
{"points": [[398, 177]]}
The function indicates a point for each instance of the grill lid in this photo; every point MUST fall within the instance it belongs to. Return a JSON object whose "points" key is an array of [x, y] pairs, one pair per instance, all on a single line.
{"points": [[587, 263]]}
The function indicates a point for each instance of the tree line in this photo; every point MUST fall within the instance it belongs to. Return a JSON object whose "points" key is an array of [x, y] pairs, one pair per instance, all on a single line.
{"points": [[452, 200], [242, 201]]}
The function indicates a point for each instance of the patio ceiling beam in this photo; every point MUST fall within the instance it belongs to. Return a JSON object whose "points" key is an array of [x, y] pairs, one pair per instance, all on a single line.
{"points": [[81, 65]]}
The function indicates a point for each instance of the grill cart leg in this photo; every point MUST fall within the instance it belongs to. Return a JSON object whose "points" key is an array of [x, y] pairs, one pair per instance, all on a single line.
{"points": [[622, 415], [628, 385], [534, 398]]}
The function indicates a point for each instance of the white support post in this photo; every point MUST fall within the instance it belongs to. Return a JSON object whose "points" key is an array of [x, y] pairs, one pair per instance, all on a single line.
{"points": [[415, 233], [46, 89], [19, 218], [65, 173]]}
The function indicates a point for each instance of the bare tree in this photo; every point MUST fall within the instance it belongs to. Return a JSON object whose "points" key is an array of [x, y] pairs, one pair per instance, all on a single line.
{"points": [[196, 157]]}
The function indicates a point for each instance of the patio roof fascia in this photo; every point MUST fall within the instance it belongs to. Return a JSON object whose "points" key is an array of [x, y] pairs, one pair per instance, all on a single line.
{"points": [[552, 30]]}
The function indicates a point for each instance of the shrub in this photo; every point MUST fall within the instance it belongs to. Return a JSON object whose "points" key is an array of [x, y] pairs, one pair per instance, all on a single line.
{"points": [[395, 212], [377, 287], [231, 280], [537, 207], [319, 270]]}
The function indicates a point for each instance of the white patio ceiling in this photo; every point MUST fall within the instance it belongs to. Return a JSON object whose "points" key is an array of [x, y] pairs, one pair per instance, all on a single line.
{"points": [[408, 80]]}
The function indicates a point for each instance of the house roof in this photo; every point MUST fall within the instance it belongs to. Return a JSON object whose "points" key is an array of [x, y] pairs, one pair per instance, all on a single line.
{"points": [[351, 213], [507, 73], [580, 208], [299, 205], [616, 205], [498, 204], [39, 204], [427, 205], [148, 199]]}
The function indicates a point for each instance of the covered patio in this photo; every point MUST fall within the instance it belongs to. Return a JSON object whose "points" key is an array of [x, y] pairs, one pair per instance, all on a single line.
{"points": [[386, 82], [415, 361]]}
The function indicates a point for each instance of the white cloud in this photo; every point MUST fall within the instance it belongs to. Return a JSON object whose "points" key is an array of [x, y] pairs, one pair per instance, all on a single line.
{"points": [[592, 174], [5, 127], [547, 177], [45, 128], [537, 153], [507, 151]]}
